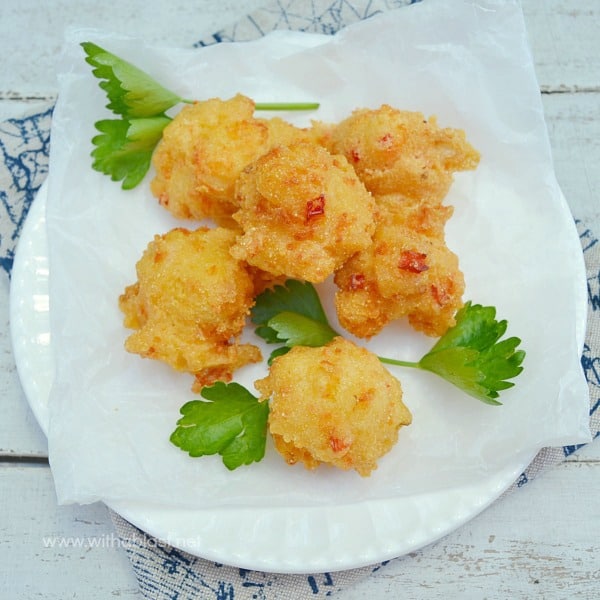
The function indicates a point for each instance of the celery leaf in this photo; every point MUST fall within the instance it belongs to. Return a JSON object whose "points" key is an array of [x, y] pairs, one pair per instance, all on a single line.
{"points": [[131, 92], [230, 422], [123, 148]]}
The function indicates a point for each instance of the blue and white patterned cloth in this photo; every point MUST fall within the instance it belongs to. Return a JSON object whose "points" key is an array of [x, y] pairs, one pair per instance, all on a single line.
{"points": [[165, 573]]}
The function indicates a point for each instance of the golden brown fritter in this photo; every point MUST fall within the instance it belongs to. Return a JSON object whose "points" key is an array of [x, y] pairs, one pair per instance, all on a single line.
{"points": [[422, 217], [336, 404], [402, 152], [203, 150], [321, 132], [408, 271], [303, 212], [283, 133], [190, 303], [263, 280]]}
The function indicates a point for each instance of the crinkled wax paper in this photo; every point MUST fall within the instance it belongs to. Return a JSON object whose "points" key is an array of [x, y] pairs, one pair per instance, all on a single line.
{"points": [[468, 62]]}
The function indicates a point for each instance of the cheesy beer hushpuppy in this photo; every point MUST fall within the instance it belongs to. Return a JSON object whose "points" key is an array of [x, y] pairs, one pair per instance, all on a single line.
{"points": [[401, 152], [408, 271], [189, 305], [205, 148], [302, 212], [335, 404]]}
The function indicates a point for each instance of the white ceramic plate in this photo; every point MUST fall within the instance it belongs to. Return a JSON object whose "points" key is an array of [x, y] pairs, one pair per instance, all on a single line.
{"points": [[281, 539]]}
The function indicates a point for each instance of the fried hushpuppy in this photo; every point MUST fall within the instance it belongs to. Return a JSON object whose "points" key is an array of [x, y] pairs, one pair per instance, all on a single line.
{"points": [[396, 151], [336, 404], [404, 273], [303, 212], [203, 150], [320, 133], [422, 217], [189, 304]]}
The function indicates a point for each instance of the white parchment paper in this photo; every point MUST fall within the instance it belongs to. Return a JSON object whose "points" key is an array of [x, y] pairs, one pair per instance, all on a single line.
{"points": [[468, 62]]}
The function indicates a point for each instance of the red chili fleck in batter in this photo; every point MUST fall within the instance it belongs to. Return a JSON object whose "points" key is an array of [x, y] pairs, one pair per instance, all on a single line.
{"points": [[413, 262], [315, 208], [440, 295], [355, 154], [357, 281], [337, 445], [386, 140]]}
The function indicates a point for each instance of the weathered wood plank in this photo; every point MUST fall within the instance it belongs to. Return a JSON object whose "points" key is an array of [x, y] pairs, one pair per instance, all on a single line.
{"points": [[85, 561], [20, 434], [509, 551], [574, 129], [29, 64], [563, 38], [588, 454], [562, 35]]}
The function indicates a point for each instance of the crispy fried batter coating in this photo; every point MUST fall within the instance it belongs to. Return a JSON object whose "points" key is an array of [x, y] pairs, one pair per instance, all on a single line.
{"points": [[336, 404], [190, 303], [303, 212], [422, 217], [395, 151], [203, 150], [320, 133], [263, 280], [283, 133], [408, 271]]}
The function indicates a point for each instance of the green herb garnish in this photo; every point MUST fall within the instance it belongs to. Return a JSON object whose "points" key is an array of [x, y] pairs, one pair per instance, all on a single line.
{"points": [[130, 92], [124, 147], [232, 423], [292, 315], [469, 355]]}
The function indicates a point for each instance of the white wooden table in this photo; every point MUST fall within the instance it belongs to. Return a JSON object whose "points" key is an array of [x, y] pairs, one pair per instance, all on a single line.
{"points": [[540, 542]]}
